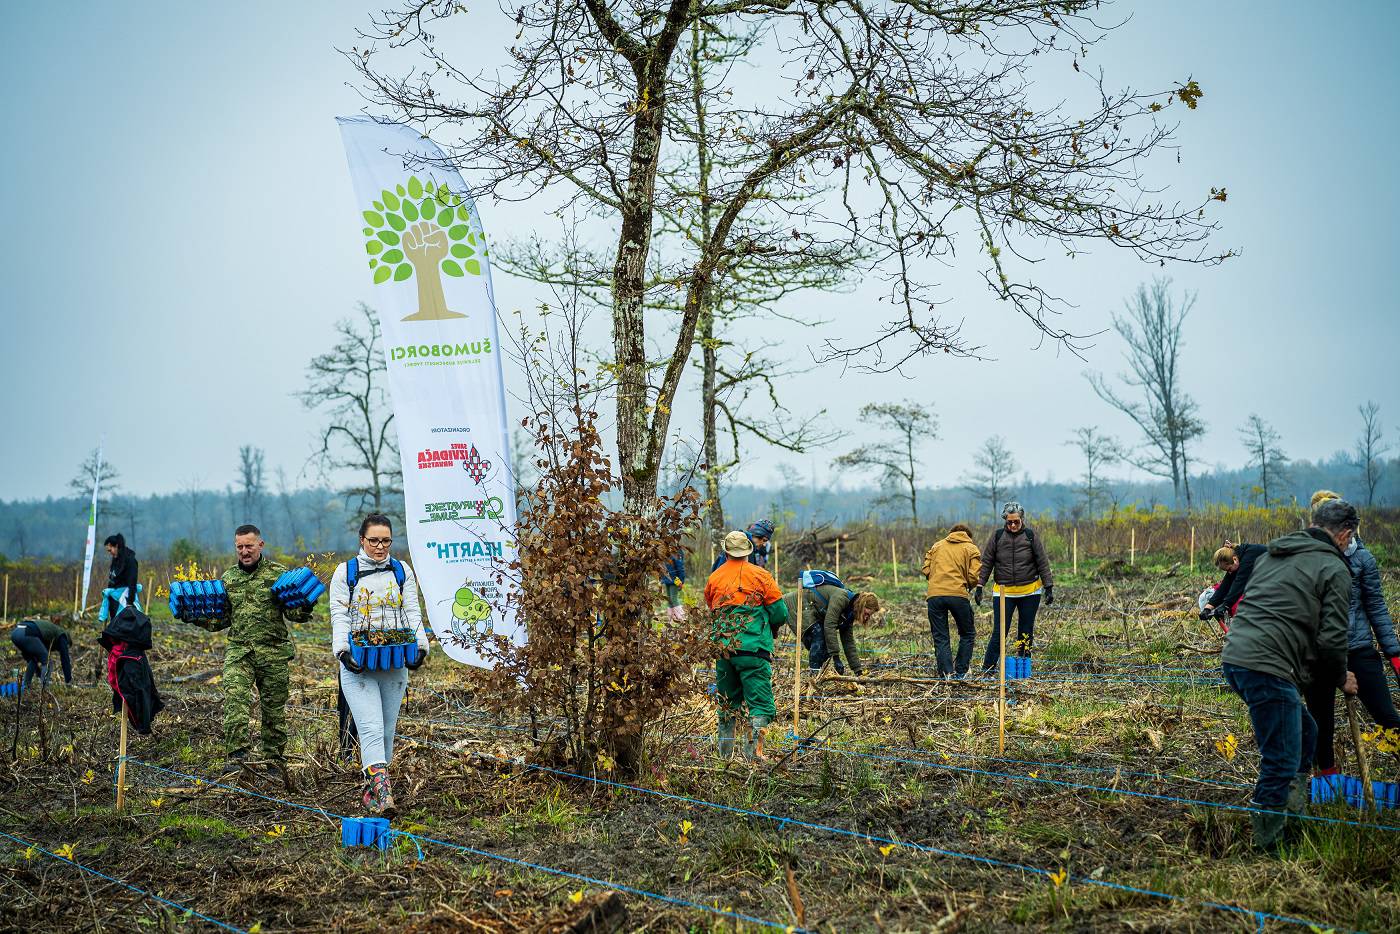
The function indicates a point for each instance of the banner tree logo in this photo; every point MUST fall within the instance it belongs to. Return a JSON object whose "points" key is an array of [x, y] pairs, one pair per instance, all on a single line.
{"points": [[422, 232]]}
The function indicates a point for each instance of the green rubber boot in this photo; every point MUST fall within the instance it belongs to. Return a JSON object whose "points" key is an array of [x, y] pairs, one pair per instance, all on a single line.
{"points": [[1268, 829], [725, 740], [1298, 793]]}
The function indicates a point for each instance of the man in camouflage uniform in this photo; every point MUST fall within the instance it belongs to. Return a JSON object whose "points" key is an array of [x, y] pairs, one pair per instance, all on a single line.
{"points": [[259, 649]]}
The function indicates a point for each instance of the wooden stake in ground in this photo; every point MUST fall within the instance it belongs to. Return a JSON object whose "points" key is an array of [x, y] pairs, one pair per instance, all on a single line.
{"points": [[894, 561], [1001, 677], [6, 613], [797, 662], [775, 563], [121, 761], [838, 557], [150, 591], [1132, 545], [1360, 753], [1193, 549], [1075, 549], [77, 587]]}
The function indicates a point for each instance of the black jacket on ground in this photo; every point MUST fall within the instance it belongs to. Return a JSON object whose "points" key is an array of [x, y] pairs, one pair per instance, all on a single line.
{"points": [[124, 572], [1232, 585], [126, 638]]}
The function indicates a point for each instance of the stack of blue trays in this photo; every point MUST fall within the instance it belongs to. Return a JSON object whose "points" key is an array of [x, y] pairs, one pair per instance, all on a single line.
{"points": [[192, 600], [365, 831], [383, 657], [297, 588], [1349, 788], [1017, 667], [9, 690]]}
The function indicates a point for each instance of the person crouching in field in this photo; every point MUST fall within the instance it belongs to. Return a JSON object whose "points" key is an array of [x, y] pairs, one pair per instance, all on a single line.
{"points": [[373, 591], [747, 607], [1236, 562], [832, 613], [952, 566], [1014, 558], [37, 639], [1368, 624], [1291, 633]]}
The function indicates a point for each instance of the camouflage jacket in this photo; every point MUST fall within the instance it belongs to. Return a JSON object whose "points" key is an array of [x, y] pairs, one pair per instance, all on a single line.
{"points": [[254, 617]]}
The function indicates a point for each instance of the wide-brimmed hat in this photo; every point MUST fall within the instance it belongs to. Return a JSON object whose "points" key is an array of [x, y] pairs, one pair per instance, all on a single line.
{"points": [[737, 545]]}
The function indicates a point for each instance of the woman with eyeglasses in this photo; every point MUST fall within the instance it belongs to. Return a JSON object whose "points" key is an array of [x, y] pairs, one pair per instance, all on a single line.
{"points": [[374, 596], [1014, 559]]}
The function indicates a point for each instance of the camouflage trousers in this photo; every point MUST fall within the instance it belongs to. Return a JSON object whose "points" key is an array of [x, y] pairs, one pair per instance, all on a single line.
{"points": [[263, 667]]}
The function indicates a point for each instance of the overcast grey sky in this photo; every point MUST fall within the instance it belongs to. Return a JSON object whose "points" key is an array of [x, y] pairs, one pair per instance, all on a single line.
{"points": [[177, 245]]}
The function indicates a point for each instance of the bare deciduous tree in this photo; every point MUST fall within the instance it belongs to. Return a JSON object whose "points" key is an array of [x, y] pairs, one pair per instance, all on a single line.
{"points": [[1261, 443], [1371, 450], [1099, 451], [917, 115], [284, 496], [994, 464], [1165, 414], [347, 384], [911, 424], [250, 479], [90, 472]]}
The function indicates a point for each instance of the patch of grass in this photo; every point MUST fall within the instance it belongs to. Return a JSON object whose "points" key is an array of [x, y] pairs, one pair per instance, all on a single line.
{"points": [[195, 828]]}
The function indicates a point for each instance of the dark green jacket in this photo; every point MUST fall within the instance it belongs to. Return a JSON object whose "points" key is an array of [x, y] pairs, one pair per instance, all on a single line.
{"points": [[49, 632], [835, 621], [255, 619], [1293, 621]]}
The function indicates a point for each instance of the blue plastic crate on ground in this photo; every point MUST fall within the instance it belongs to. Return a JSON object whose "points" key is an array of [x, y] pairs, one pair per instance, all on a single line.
{"points": [[9, 690], [365, 831], [1017, 668], [203, 599], [297, 588], [1328, 788]]}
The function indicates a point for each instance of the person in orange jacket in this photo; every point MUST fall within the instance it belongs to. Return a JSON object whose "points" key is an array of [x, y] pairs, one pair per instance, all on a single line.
{"points": [[748, 607], [952, 566]]}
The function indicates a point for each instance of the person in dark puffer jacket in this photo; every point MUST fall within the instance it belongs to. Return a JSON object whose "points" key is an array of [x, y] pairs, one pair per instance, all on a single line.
{"points": [[1014, 559]]}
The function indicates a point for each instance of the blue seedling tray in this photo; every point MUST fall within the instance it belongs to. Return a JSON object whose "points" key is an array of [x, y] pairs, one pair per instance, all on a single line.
{"points": [[202, 599], [1017, 668], [365, 831], [296, 588], [1348, 788], [384, 657], [9, 690]]}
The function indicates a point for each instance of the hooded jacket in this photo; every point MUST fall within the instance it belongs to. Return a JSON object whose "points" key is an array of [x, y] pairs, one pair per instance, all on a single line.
{"points": [[952, 566], [1232, 585], [1369, 617], [127, 638], [124, 571], [1293, 621]]}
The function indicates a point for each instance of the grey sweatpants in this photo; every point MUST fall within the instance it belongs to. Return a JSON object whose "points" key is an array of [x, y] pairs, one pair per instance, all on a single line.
{"points": [[374, 698]]}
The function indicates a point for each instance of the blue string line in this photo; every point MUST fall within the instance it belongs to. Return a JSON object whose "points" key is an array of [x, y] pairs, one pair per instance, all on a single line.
{"points": [[872, 838], [1113, 791], [126, 885], [488, 855]]}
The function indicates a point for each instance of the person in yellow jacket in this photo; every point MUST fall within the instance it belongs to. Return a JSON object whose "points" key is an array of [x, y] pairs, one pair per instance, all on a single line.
{"points": [[952, 566]]}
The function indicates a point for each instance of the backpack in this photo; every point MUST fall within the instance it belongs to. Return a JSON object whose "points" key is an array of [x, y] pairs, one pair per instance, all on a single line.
{"points": [[352, 573], [811, 580]]}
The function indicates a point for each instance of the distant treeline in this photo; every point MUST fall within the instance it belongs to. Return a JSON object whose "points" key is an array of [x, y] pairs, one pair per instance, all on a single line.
{"points": [[322, 520]]}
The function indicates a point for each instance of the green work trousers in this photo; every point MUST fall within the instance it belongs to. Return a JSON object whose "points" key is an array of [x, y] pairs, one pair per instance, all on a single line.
{"points": [[263, 667], [745, 681]]}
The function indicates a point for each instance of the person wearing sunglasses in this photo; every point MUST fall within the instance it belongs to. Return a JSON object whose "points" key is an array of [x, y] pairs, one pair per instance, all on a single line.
{"points": [[1014, 560], [375, 593]]}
